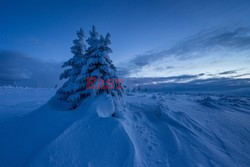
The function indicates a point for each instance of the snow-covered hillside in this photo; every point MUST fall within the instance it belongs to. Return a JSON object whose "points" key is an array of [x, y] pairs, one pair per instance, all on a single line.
{"points": [[156, 129]]}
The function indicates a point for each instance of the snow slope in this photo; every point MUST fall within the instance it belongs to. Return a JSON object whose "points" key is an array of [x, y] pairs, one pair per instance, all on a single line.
{"points": [[50, 136], [155, 129]]}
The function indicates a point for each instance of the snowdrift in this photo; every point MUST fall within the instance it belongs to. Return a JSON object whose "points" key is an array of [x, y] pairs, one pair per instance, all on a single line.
{"points": [[156, 129], [52, 137]]}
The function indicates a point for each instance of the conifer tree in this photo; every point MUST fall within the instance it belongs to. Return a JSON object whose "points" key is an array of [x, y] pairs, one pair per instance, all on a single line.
{"points": [[93, 62], [99, 65], [69, 91]]}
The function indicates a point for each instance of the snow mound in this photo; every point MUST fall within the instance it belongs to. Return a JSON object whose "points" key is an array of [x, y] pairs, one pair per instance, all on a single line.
{"points": [[50, 137], [101, 141], [106, 107]]}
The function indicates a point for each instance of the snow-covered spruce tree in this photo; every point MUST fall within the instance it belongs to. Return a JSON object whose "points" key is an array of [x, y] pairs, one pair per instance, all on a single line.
{"points": [[69, 92], [100, 66], [94, 62]]}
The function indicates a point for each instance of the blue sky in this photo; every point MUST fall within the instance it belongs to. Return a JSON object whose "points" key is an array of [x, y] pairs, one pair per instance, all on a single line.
{"points": [[140, 30]]}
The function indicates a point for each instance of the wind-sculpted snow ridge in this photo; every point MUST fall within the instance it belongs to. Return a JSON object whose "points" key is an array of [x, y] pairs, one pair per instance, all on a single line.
{"points": [[154, 130], [189, 130]]}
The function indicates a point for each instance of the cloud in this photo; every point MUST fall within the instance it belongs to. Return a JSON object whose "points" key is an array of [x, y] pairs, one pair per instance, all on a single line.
{"points": [[164, 68], [122, 72], [210, 40], [243, 75], [159, 80], [214, 42], [17, 68], [229, 86], [228, 72]]}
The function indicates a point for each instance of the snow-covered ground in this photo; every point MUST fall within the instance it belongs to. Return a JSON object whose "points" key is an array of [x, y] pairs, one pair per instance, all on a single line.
{"points": [[15, 101], [156, 129], [189, 130]]}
